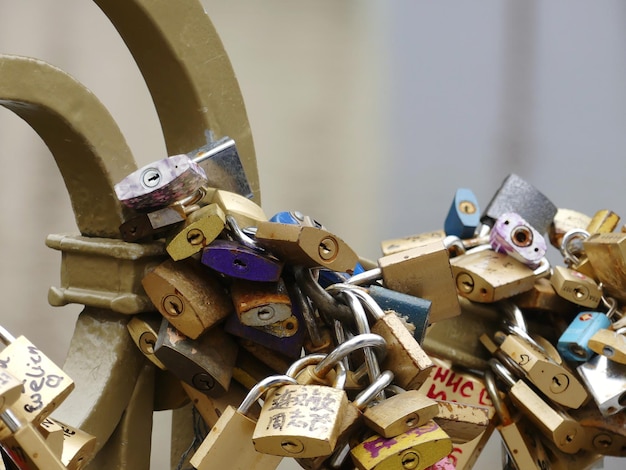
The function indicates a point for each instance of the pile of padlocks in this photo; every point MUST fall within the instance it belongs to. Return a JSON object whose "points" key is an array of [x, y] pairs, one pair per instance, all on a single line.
{"points": [[406, 363]]}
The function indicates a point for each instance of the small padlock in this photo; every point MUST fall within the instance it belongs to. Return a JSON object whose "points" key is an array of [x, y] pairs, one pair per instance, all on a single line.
{"points": [[45, 384], [572, 344], [606, 382], [564, 221], [575, 287], [605, 435], [246, 212], [144, 329], [236, 260], [229, 443], [306, 246], [406, 359], [461, 421], [464, 214], [201, 228], [543, 298], [188, 295], [160, 184], [222, 164], [512, 235], [606, 253], [517, 195], [552, 379], [423, 272], [151, 224], [488, 276], [524, 449], [396, 245], [260, 303], [78, 446], [416, 449], [560, 428], [609, 343], [205, 363]]}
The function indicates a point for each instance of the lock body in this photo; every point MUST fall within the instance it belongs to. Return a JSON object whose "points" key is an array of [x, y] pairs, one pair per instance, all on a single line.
{"points": [[236, 260], [605, 380], [261, 303], [576, 287], [201, 228], [609, 343], [464, 214], [572, 344], [512, 235]]}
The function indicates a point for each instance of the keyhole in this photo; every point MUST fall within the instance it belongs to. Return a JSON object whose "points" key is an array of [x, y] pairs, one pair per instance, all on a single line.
{"points": [[150, 178], [265, 313], [467, 207], [240, 265], [410, 460], [292, 446], [195, 237], [327, 249]]}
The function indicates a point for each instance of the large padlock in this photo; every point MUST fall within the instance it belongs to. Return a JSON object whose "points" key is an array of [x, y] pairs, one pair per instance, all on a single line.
{"points": [[161, 183], [517, 195], [188, 295], [205, 363], [45, 384], [229, 443]]}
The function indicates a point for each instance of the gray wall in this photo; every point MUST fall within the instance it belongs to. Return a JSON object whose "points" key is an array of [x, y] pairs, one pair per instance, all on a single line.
{"points": [[366, 115]]}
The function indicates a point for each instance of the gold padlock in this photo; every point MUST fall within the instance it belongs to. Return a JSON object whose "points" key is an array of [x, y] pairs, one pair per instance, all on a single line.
{"points": [[609, 343], [245, 211], [607, 254], [78, 446], [201, 228], [397, 245], [564, 221], [190, 296], [144, 329], [575, 287]]}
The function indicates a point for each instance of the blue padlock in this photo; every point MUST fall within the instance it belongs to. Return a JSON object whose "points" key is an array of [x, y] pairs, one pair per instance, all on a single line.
{"points": [[239, 261], [295, 218], [464, 214], [572, 344]]}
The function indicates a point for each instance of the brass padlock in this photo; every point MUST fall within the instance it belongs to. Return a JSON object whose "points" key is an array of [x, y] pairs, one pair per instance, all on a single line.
{"points": [[45, 384], [188, 295], [201, 228], [543, 298], [576, 287], [396, 245], [144, 329], [245, 211], [461, 421], [564, 221], [423, 271], [489, 276], [607, 254], [229, 443], [306, 246], [609, 343], [78, 446]]}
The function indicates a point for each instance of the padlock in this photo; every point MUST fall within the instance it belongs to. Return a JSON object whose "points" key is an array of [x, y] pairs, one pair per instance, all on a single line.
{"points": [[229, 443], [52, 435], [543, 298], [575, 287], [604, 435], [300, 421], [603, 221], [396, 245], [423, 272], [236, 260], [306, 246], [572, 344], [222, 164], [405, 358], [26, 445], [464, 214], [606, 382], [295, 218], [517, 195], [160, 184], [205, 363], [553, 423], [188, 295], [461, 421], [552, 379], [246, 212], [609, 343], [144, 329], [45, 384], [153, 224], [489, 276], [512, 235], [260, 303], [525, 449], [78, 446], [201, 228], [559, 460], [564, 221], [606, 253], [399, 413], [416, 449]]}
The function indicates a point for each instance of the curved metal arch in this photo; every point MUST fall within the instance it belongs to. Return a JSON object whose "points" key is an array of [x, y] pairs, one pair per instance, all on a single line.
{"points": [[188, 74], [86, 143]]}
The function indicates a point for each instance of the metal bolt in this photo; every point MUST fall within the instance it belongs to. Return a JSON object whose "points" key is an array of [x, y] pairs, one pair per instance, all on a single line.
{"points": [[465, 283], [195, 237], [265, 313], [173, 305], [467, 207], [151, 178], [410, 460], [559, 383], [328, 249], [293, 446], [203, 381], [147, 341]]}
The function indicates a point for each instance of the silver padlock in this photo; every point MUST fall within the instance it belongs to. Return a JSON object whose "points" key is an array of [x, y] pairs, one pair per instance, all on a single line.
{"points": [[606, 381]]}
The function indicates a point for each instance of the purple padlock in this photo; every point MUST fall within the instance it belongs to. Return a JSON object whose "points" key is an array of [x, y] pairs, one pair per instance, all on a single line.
{"points": [[236, 260], [512, 235]]}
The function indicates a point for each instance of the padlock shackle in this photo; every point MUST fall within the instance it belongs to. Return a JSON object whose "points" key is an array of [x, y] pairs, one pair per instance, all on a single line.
{"points": [[5, 336], [370, 304], [373, 390], [492, 390], [240, 237], [353, 344], [502, 372], [325, 302], [261, 388]]}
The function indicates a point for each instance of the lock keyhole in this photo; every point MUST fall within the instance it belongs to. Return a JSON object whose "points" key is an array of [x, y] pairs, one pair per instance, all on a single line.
{"points": [[293, 446], [240, 264], [410, 460]]}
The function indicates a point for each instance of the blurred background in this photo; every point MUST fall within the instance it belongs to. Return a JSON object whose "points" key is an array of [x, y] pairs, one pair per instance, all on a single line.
{"points": [[366, 115]]}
